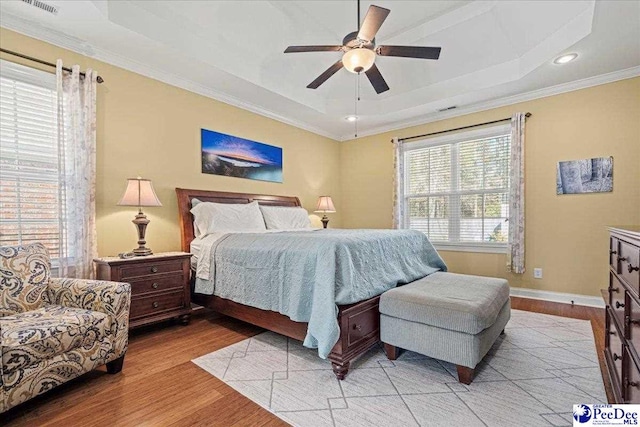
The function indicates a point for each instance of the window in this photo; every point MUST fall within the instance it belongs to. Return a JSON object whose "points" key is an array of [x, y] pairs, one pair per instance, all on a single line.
{"points": [[29, 191], [457, 189]]}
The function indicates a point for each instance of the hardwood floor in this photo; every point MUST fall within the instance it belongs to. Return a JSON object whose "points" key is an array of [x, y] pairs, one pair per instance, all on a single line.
{"points": [[159, 386]]}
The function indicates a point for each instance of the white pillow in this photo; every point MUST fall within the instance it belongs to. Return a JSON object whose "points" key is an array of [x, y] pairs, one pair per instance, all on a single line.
{"points": [[225, 217], [285, 218]]}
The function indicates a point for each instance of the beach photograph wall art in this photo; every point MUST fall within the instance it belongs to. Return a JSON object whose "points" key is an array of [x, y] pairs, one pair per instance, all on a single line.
{"points": [[230, 155]]}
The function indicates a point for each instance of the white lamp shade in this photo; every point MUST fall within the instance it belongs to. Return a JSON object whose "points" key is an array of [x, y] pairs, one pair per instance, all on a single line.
{"points": [[325, 204], [139, 192], [358, 60]]}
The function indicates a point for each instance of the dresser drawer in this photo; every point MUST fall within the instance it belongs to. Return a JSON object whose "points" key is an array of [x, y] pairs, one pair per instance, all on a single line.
{"points": [[613, 346], [630, 264], [160, 283], [617, 298], [148, 268], [157, 303], [613, 254], [633, 324], [362, 325], [631, 382]]}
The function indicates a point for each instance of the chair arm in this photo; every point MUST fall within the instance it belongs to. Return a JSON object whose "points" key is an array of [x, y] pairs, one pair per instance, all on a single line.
{"points": [[111, 298]]}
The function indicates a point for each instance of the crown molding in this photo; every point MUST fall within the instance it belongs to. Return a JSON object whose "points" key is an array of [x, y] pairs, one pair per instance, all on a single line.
{"points": [[40, 32], [48, 35], [504, 101]]}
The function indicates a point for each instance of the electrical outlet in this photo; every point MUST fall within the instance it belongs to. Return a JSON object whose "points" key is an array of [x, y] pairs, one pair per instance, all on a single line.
{"points": [[537, 273]]}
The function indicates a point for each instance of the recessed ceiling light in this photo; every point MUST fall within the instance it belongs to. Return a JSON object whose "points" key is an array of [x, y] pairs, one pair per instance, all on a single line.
{"points": [[565, 58], [351, 118]]}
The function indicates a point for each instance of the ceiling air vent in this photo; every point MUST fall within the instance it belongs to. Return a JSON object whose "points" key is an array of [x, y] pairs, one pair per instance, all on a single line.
{"points": [[453, 107], [42, 5]]}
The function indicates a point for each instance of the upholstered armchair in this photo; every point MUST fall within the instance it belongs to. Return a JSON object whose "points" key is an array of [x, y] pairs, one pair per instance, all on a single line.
{"points": [[53, 330]]}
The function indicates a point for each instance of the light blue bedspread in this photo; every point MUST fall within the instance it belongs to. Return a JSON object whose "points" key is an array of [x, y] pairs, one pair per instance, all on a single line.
{"points": [[303, 275]]}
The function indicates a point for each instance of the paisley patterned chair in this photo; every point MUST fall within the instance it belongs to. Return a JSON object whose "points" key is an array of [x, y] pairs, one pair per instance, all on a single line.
{"points": [[53, 330]]}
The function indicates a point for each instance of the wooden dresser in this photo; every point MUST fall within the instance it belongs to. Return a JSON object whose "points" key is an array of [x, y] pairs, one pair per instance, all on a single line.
{"points": [[622, 341], [159, 285]]}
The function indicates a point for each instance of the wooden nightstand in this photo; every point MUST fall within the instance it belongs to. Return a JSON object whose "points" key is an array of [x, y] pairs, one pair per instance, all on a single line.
{"points": [[159, 285]]}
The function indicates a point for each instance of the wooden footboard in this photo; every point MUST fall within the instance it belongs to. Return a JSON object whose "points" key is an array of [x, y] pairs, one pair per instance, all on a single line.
{"points": [[359, 326]]}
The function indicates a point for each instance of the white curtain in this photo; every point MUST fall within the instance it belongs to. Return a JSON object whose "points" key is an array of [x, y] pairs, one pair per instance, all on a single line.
{"points": [[398, 184], [77, 171], [515, 255]]}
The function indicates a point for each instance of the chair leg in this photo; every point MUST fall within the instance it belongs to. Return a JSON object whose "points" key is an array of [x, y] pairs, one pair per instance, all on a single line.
{"points": [[392, 351], [465, 374], [115, 366]]}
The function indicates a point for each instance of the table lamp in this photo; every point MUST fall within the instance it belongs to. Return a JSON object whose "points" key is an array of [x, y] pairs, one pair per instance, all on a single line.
{"points": [[140, 193], [325, 205]]}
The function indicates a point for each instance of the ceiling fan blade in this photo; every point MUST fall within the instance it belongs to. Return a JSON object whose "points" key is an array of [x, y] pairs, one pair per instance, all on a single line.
{"points": [[372, 22], [319, 48], [422, 52], [325, 76], [376, 79]]}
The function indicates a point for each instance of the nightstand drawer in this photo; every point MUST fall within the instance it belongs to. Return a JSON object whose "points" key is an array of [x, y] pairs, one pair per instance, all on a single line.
{"points": [[155, 284], [148, 268], [156, 304]]}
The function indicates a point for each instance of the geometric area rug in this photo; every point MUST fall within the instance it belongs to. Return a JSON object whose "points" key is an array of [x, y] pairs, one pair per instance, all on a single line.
{"points": [[532, 376]]}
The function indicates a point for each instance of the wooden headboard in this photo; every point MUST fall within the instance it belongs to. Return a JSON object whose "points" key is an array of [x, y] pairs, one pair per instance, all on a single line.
{"points": [[184, 206]]}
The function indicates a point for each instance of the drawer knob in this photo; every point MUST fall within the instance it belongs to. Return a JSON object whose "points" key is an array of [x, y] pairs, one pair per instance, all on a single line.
{"points": [[154, 269], [631, 268], [154, 286], [612, 252], [616, 357], [155, 304], [614, 289], [357, 327], [619, 304], [621, 258]]}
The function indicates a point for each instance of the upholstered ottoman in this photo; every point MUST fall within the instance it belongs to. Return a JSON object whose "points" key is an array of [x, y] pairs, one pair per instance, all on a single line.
{"points": [[447, 316]]}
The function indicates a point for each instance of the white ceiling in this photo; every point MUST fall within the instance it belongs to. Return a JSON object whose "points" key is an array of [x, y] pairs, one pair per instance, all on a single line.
{"points": [[493, 52]]}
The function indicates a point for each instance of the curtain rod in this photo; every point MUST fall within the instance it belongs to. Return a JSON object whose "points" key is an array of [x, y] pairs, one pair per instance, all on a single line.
{"points": [[40, 61], [460, 128]]}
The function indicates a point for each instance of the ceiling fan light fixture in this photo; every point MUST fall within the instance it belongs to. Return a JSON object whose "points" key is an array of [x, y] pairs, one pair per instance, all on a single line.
{"points": [[358, 60]]}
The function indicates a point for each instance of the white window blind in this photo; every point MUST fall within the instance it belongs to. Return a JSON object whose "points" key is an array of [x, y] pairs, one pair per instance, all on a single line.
{"points": [[457, 187], [29, 192]]}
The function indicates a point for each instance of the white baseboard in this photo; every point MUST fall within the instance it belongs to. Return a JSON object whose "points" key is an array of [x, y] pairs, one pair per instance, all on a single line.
{"points": [[589, 301]]}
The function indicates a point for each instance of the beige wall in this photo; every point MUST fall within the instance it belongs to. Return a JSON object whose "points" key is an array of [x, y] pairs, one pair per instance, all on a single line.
{"points": [[565, 235], [152, 129]]}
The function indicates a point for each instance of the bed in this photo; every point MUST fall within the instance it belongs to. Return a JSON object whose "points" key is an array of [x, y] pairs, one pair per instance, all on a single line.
{"points": [[357, 326]]}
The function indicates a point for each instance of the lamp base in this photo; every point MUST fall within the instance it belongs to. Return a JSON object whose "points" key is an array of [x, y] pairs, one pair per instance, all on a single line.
{"points": [[325, 221], [142, 251], [141, 223]]}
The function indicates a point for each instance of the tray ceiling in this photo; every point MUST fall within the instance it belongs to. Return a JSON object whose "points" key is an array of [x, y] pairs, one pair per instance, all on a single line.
{"points": [[233, 51]]}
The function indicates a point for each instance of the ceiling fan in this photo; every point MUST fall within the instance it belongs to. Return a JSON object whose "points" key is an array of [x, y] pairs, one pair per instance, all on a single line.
{"points": [[360, 51]]}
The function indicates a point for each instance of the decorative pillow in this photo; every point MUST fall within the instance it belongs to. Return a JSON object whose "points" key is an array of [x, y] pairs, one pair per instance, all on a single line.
{"points": [[225, 217], [24, 277], [285, 218]]}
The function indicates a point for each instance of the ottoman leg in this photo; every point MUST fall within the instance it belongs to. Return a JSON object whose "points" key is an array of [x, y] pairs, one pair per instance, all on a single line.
{"points": [[465, 374], [392, 351]]}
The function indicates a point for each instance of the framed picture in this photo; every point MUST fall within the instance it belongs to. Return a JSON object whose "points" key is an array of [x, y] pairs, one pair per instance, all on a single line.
{"points": [[230, 155], [585, 176]]}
